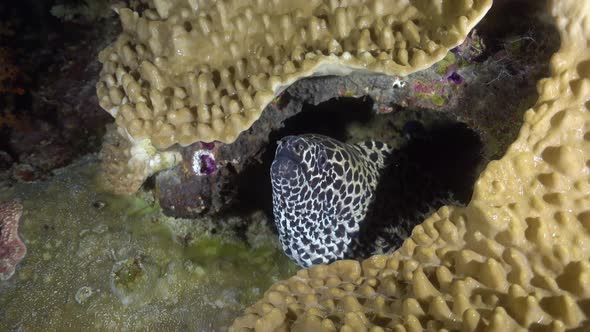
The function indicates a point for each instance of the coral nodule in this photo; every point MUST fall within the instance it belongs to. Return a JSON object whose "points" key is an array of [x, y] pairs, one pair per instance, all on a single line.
{"points": [[12, 248]]}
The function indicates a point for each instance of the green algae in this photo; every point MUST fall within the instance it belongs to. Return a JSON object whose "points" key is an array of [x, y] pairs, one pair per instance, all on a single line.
{"points": [[128, 273], [443, 65], [105, 262]]}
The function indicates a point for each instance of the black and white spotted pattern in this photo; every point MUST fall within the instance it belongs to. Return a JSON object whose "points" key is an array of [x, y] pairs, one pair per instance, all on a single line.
{"points": [[321, 191]]}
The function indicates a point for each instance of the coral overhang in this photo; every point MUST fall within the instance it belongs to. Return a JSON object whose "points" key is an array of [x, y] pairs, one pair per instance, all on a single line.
{"points": [[184, 72], [188, 71]]}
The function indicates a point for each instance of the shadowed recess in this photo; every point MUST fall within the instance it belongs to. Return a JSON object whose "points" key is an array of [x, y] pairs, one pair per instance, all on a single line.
{"points": [[436, 161]]}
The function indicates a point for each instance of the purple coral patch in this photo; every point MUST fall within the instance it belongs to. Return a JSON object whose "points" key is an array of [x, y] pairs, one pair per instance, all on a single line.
{"points": [[204, 162], [455, 78], [12, 248], [207, 164]]}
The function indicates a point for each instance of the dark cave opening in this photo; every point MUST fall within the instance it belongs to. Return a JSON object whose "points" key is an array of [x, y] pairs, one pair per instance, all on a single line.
{"points": [[436, 162], [329, 118], [442, 146]]}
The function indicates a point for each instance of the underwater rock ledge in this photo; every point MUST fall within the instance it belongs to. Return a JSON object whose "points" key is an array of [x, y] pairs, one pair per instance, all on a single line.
{"points": [[166, 84]]}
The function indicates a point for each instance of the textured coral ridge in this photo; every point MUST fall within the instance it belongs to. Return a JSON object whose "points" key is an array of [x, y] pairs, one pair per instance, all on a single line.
{"points": [[127, 163], [515, 258], [12, 248], [184, 71]]}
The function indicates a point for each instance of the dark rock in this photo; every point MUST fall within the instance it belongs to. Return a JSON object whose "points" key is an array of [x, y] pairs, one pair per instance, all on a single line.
{"points": [[6, 160]]}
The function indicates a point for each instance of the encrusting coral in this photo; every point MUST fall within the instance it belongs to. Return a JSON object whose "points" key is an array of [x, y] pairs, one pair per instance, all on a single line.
{"points": [[127, 164], [188, 71], [515, 258], [12, 248]]}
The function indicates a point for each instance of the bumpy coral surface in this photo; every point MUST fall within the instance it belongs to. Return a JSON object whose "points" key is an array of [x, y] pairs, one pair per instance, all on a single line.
{"points": [[515, 258], [126, 165], [187, 71], [12, 248]]}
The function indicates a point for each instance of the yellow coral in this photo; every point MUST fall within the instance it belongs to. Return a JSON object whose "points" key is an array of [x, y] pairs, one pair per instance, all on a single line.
{"points": [[192, 70], [515, 258], [126, 164]]}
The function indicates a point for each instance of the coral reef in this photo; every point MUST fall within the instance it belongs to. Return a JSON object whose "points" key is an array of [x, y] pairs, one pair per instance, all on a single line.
{"points": [[459, 85], [163, 81], [515, 258], [166, 80], [12, 248], [389, 99], [98, 261], [184, 193], [126, 165]]}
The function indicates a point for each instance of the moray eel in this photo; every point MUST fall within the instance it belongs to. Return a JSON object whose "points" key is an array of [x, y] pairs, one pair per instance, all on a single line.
{"points": [[322, 189]]}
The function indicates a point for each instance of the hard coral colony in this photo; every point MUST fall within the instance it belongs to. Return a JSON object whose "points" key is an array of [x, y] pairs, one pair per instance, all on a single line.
{"points": [[187, 72]]}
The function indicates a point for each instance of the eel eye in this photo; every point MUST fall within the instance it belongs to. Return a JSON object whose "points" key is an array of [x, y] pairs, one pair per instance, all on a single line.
{"points": [[300, 147]]}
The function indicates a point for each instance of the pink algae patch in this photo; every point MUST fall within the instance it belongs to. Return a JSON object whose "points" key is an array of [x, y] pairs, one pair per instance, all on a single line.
{"points": [[12, 248]]}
